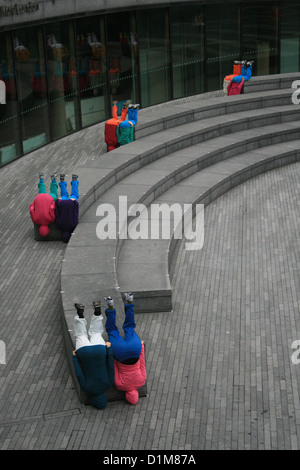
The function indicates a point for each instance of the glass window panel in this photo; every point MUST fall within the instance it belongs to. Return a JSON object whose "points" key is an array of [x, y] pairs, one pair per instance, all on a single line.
{"points": [[290, 37], [91, 76], [154, 50], [187, 36], [260, 36], [122, 58], [61, 70], [9, 130], [30, 64], [223, 42]]}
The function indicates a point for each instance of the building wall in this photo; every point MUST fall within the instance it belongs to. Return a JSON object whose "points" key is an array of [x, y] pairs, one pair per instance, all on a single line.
{"points": [[64, 61]]}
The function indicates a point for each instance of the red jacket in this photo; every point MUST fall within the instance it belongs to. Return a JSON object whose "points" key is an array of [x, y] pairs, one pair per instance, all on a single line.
{"points": [[131, 377], [235, 88], [110, 134]]}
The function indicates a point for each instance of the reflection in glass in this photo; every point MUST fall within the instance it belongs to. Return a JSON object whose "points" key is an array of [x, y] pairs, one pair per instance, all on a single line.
{"points": [[290, 37], [260, 35], [222, 42], [187, 35], [154, 48], [61, 70], [30, 64], [9, 132], [122, 53], [91, 73]]}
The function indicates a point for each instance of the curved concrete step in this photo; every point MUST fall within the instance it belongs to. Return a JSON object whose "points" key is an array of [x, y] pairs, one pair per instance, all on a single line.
{"points": [[90, 264], [143, 265], [163, 134], [94, 273]]}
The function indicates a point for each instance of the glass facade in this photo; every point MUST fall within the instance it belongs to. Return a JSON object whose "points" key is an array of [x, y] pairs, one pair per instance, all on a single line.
{"points": [[62, 76], [260, 36], [88, 73], [187, 39], [289, 36], [9, 116], [222, 42], [32, 98], [154, 53]]}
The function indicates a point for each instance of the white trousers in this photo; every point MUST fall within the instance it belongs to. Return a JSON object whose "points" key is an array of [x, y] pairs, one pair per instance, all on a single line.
{"points": [[95, 334]]}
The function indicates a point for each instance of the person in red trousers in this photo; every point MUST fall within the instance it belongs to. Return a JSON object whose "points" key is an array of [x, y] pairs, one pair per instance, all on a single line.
{"points": [[110, 130]]}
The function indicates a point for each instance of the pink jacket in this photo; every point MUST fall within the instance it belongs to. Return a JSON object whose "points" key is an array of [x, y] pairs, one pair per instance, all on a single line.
{"points": [[131, 377], [42, 212], [235, 88]]}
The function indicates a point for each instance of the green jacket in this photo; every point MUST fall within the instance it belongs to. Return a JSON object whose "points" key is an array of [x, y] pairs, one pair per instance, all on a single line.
{"points": [[125, 135]]}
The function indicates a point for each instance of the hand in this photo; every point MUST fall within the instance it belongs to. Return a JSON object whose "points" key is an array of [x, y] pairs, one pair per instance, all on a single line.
{"points": [[74, 352], [108, 344], [142, 341]]}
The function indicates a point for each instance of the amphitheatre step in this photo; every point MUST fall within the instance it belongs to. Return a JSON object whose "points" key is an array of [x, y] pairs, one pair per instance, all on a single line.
{"points": [[92, 267], [143, 264], [100, 173], [89, 266]]}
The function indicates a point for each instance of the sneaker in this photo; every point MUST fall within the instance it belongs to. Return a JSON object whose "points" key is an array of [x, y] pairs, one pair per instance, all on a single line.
{"points": [[41, 176], [136, 106], [80, 309], [53, 177], [128, 297], [109, 301], [74, 177], [62, 177], [114, 103], [97, 307]]}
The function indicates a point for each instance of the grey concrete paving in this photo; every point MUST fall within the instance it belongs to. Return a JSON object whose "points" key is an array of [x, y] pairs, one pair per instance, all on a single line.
{"points": [[220, 370]]}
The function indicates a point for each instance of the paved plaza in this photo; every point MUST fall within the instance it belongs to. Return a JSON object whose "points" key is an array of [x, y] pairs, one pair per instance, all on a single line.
{"points": [[221, 369]]}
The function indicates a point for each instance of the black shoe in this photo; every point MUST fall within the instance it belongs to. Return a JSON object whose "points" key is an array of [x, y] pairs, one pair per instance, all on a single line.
{"points": [[62, 177], [97, 308], [74, 177], [80, 310]]}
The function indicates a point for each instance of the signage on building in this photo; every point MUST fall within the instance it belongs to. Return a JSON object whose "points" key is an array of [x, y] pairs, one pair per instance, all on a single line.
{"points": [[19, 9]]}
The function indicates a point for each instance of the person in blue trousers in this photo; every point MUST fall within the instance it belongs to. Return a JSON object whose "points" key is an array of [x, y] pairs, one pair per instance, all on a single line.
{"points": [[74, 188], [246, 72], [125, 128], [130, 346]]}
